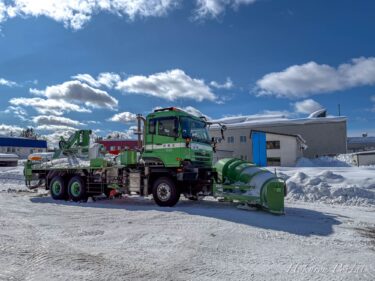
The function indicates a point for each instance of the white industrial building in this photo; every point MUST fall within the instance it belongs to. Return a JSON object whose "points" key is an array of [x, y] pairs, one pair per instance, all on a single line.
{"points": [[323, 136]]}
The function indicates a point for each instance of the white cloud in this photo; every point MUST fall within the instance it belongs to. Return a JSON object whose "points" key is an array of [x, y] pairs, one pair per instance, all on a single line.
{"points": [[93, 122], [10, 129], [124, 117], [78, 92], [2, 11], [48, 106], [55, 121], [127, 134], [311, 78], [54, 128], [17, 111], [214, 8], [5, 82], [307, 106], [373, 98], [107, 79], [170, 85], [54, 138], [36, 92], [75, 14], [227, 85]]}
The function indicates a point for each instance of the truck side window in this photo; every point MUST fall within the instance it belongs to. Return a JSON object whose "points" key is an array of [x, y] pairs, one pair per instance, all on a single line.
{"points": [[152, 126], [167, 127]]}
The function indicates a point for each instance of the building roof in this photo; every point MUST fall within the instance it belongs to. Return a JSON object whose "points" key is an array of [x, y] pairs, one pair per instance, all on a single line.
{"points": [[299, 137], [22, 142], [273, 121], [370, 152]]}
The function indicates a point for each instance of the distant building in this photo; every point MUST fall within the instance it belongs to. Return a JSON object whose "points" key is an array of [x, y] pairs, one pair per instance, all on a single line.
{"points": [[22, 147], [114, 146], [364, 158], [323, 135], [8, 160], [364, 143]]}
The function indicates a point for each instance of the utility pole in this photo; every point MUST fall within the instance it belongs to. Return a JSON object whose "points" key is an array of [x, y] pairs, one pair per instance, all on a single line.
{"points": [[339, 107]]}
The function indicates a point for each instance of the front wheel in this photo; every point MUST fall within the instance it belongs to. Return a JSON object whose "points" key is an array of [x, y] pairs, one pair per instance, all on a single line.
{"points": [[77, 189], [165, 192]]}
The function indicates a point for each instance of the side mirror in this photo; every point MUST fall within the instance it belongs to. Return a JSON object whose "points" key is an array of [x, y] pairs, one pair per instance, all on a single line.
{"points": [[222, 129], [185, 135], [213, 144]]}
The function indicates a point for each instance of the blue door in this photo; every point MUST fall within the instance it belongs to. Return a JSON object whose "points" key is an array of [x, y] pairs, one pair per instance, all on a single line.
{"points": [[259, 148]]}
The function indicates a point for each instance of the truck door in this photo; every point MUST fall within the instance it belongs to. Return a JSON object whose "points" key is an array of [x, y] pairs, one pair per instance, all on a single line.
{"points": [[166, 144]]}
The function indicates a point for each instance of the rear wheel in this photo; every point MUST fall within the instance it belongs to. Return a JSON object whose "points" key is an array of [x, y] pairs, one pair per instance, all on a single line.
{"points": [[77, 189], [57, 188], [165, 192]]}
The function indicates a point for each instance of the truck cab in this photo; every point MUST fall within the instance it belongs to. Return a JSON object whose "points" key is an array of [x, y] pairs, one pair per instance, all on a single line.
{"points": [[174, 137], [178, 144]]}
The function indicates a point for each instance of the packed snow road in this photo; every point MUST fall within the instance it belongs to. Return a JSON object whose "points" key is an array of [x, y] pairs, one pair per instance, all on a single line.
{"points": [[133, 239]]}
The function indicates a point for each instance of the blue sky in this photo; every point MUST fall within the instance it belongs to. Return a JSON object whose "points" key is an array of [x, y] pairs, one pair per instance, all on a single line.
{"points": [[94, 64]]}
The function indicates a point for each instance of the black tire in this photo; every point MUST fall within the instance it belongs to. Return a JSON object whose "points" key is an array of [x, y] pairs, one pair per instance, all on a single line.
{"points": [[58, 189], [165, 192], [77, 189]]}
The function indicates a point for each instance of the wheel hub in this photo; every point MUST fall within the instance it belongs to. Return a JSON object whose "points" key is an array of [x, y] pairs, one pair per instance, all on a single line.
{"points": [[76, 189], [56, 188], [164, 191]]}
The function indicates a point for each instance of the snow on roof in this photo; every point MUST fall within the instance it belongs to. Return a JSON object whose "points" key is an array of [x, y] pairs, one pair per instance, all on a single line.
{"points": [[367, 152], [5, 156], [319, 113], [272, 120]]}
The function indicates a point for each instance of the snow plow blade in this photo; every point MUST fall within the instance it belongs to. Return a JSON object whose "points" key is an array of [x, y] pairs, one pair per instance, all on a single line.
{"points": [[246, 183]]}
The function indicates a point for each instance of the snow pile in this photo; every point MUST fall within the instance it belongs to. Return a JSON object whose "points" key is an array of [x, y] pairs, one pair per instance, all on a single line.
{"points": [[347, 186], [343, 160], [66, 163], [12, 178]]}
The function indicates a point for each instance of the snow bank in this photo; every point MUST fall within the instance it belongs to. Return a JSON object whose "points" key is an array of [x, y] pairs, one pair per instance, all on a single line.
{"points": [[346, 186], [343, 160], [12, 178]]}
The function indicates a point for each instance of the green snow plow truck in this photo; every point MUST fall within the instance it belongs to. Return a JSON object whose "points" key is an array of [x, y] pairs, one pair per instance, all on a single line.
{"points": [[174, 157]]}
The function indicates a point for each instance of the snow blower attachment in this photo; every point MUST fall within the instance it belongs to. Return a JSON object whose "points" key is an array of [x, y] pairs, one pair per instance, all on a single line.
{"points": [[246, 183]]}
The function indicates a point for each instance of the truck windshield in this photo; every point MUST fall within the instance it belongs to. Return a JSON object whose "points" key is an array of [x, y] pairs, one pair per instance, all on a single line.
{"points": [[194, 129]]}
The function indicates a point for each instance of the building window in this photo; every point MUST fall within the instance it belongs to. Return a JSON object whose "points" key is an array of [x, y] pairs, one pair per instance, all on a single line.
{"points": [[8, 149], [273, 161], [243, 139], [230, 139], [31, 150], [13, 149], [273, 144]]}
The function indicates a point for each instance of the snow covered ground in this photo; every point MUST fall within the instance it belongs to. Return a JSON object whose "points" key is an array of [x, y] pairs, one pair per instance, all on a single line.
{"points": [[328, 233]]}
